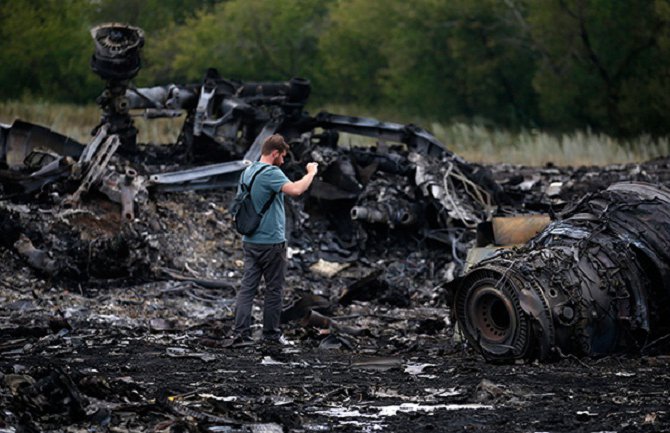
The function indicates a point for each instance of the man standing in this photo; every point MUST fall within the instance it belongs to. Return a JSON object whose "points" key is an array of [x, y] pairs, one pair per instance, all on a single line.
{"points": [[265, 249]]}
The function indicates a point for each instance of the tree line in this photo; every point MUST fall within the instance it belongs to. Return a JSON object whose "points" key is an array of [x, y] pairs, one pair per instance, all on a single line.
{"points": [[553, 64]]}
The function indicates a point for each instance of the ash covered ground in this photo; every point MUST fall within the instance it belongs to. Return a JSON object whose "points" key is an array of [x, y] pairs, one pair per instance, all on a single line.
{"points": [[126, 330]]}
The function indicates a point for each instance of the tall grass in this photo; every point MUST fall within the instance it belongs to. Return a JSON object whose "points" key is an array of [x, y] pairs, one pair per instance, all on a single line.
{"points": [[477, 143], [472, 142], [77, 121]]}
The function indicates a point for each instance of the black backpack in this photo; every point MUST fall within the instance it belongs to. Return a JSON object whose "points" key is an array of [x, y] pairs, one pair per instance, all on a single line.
{"points": [[246, 218]]}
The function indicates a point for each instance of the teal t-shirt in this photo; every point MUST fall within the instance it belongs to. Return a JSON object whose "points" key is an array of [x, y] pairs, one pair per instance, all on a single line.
{"points": [[272, 228]]}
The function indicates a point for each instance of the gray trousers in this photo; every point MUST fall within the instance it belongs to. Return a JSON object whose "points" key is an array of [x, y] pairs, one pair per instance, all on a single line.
{"points": [[267, 261]]}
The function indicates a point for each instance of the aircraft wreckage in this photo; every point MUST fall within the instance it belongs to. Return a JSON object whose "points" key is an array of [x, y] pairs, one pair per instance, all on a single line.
{"points": [[595, 281], [592, 279]]}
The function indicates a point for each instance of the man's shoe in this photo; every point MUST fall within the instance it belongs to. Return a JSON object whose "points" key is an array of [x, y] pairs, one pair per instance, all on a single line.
{"points": [[242, 341], [278, 341]]}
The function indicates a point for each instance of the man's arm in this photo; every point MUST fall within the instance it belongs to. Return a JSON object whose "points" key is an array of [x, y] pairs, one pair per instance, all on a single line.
{"points": [[296, 188]]}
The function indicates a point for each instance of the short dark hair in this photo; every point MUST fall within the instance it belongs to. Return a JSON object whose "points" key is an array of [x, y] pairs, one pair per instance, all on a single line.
{"points": [[274, 142]]}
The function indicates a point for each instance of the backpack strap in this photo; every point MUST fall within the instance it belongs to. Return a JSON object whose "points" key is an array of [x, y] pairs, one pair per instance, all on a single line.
{"points": [[253, 178], [267, 204]]}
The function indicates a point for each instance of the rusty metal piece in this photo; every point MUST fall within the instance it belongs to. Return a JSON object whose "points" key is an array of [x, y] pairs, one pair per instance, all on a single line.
{"points": [[123, 189], [518, 229], [128, 192], [596, 281]]}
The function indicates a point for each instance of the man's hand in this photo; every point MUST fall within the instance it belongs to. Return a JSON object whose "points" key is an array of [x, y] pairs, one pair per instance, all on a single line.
{"points": [[296, 188]]}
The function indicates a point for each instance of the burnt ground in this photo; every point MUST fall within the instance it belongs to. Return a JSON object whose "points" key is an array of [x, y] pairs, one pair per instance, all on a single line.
{"points": [[130, 335]]}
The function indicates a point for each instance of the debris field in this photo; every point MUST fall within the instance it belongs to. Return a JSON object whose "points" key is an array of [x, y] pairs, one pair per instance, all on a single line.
{"points": [[127, 332], [424, 292]]}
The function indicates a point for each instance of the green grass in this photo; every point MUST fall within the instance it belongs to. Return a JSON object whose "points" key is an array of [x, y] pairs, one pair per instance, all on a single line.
{"points": [[472, 142]]}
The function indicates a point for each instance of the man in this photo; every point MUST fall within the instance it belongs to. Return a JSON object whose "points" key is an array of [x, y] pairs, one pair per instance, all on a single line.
{"points": [[265, 249]]}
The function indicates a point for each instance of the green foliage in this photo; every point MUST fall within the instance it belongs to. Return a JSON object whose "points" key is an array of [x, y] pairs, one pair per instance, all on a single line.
{"points": [[433, 58], [557, 64], [464, 63], [45, 46], [150, 15], [243, 39], [600, 62], [645, 95], [351, 49]]}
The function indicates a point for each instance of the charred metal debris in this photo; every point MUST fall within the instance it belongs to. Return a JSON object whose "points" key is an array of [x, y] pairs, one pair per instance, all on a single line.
{"points": [[592, 282]]}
